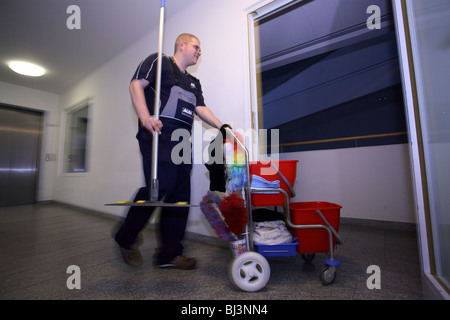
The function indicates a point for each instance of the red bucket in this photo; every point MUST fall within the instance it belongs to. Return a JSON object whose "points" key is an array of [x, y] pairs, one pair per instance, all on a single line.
{"points": [[314, 240], [288, 169]]}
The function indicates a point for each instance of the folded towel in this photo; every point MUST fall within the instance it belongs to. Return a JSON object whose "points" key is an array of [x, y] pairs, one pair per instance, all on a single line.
{"points": [[260, 182], [271, 233]]}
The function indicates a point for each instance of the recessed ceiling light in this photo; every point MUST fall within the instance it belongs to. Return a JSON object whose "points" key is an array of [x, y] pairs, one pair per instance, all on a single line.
{"points": [[26, 68]]}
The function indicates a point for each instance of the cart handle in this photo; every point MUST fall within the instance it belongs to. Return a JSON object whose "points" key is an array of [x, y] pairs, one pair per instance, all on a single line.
{"points": [[230, 130], [291, 189]]}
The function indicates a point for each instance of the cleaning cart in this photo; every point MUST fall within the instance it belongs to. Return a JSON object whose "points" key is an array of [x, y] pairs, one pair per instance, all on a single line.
{"points": [[314, 225]]}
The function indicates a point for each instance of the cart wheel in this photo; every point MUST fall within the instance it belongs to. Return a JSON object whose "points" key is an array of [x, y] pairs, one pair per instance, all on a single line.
{"points": [[250, 271], [308, 257], [327, 274]]}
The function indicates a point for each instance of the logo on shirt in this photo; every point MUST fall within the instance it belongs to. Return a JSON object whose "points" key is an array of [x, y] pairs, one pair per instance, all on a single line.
{"points": [[187, 112]]}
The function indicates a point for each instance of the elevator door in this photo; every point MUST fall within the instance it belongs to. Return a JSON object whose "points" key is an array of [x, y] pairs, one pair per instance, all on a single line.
{"points": [[20, 135]]}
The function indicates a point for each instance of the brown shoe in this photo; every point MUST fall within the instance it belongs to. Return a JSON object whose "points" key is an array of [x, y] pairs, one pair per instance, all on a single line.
{"points": [[180, 262], [132, 257]]}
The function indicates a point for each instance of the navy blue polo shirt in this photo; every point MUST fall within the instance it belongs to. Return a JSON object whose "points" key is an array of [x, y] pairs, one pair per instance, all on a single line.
{"points": [[147, 70]]}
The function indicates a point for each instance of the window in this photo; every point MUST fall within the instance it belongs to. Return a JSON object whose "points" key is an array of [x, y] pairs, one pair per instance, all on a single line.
{"points": [[76, 135], [330, 81], [427, 45]]}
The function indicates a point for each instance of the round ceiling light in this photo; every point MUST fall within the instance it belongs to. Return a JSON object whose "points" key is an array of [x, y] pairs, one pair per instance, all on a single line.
{"points": [[26, 68]]}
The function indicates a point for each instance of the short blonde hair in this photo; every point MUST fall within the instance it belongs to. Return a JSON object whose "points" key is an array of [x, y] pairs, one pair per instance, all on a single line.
{"points": [[184, 37]]}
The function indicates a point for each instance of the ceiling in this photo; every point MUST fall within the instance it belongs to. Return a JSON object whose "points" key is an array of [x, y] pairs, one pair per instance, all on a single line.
{"points": [[36, 31]]}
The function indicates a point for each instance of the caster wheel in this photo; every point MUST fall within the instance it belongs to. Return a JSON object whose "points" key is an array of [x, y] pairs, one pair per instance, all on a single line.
{"points": [[308, 257], [250, 271], [327, 274]]}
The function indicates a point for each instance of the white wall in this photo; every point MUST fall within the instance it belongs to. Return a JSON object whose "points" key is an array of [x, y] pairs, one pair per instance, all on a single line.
{"points": [[369, 183], [48, 104], [114, 156]]}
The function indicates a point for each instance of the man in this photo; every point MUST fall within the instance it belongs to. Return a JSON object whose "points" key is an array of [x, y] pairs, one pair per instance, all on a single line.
{"points": [[181, 96]]}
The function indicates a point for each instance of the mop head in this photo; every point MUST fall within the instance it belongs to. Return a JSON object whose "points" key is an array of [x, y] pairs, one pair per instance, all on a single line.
{"points": [[235, 214], [236, 176], [235, 167], [210, 207]]}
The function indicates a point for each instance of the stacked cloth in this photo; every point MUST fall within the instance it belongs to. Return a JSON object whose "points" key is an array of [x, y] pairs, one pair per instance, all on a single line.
{"points": [[271, 233], [260, 182]]}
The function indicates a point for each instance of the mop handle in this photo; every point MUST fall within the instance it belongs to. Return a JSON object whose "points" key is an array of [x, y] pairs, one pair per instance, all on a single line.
{"points": [[154, 186]]}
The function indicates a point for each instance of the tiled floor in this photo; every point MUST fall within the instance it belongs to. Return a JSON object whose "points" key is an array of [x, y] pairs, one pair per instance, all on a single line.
{"points": [[39, 242]]}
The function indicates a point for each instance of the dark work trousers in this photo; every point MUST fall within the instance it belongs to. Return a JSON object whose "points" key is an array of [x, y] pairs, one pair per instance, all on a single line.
{"points": [[174, 186]]}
